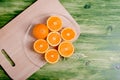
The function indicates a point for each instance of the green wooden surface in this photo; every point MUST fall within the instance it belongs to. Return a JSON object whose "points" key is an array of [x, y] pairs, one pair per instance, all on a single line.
{"points": [[97, 51]]}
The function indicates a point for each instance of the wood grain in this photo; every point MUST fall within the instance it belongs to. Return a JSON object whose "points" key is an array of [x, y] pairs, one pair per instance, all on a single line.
{"points": [[97, 55]]}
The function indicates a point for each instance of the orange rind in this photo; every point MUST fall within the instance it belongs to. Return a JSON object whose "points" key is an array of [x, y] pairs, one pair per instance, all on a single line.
{"points": [[52, 56], [54, 23], [40, 31], [66, 49], [54, 38], [68, 34], [41, 46]]}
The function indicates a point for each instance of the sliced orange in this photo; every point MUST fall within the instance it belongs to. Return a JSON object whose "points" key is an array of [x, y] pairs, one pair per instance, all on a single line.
{"points": [[40, 31], [68, 34], [66, 49], [52, 56], [54, 23], [41, 46], [54, 38]]}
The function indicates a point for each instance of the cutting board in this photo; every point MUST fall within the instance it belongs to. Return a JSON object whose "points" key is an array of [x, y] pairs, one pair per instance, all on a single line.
{"points": [[16, 40]]}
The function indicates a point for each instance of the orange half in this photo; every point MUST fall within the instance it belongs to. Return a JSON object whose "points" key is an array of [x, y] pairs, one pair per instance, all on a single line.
{"points": [[52, 56], [41, 46], [66, 49], [54, 38], [40, 31], [54, 23], [68, 34]]}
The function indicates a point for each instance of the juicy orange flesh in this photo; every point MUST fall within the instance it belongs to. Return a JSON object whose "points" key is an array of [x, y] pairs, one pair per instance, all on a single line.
{"points": [[54, 38], [66, 49], [52, 56], [54, 23], [40, 31], [40, 46], [68, 34]]}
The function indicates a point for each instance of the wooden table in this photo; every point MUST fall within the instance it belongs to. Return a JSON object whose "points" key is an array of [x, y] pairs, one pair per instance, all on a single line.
{"points": [[97, 51]]}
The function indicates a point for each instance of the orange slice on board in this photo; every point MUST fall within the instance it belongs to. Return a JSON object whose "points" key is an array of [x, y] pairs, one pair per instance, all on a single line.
{"points": [[54, 38], [41, 46], [54, 23], [66, 49], [68, 34], [40, 31], [52, 56]]}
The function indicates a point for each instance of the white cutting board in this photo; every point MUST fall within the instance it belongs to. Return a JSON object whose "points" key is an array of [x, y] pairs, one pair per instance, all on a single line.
{"points": [[16, 39]]}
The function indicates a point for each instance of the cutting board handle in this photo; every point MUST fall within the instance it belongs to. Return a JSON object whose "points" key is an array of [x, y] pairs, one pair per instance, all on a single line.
{"points": [[5, 63]]}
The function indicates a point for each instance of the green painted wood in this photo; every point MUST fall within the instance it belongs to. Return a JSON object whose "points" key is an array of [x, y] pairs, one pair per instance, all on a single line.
{"points": [[97, 51]]}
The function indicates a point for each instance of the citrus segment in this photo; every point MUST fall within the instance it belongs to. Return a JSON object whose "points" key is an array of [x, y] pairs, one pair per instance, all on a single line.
{"points": [[40, 31], [66, 49], [41, 46], [54, 23], [68, 34], [54, 38], [52, 56]]}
